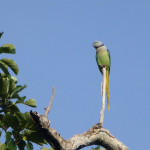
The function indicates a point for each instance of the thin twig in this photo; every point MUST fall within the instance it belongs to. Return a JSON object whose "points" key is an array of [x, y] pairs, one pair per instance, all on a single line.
{"points": [[49, 106], [103, 95]]}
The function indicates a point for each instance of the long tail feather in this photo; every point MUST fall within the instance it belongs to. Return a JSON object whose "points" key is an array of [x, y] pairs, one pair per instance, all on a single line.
{"points": [[107, 89]]}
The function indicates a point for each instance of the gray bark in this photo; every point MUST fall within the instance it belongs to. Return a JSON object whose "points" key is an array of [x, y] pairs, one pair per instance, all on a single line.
{"points": [[96, 135]]}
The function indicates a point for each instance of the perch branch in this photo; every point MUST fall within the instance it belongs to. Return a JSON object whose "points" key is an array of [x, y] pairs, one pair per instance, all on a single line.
{"points": [[103, 89], [94, 136]]}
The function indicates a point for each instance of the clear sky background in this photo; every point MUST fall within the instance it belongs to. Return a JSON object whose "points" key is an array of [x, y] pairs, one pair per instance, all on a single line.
{"points": [[53, 40]]}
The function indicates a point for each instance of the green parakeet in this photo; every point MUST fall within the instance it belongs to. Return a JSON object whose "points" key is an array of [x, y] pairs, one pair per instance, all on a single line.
{"points": [[103, 60]]}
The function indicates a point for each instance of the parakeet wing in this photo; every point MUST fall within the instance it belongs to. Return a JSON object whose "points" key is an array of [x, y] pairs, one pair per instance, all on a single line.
{"points": [[100, 68], [109, 59]]}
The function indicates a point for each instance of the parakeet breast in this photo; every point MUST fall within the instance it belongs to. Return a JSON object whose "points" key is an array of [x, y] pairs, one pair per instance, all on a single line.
{"points": [[103, 58]]}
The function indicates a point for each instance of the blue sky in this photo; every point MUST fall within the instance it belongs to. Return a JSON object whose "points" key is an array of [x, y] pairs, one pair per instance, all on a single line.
{"points": [[54, 40]]}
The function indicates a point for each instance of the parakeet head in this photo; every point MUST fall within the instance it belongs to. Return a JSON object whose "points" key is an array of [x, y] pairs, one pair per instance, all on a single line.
{"points": [[97, 44]]}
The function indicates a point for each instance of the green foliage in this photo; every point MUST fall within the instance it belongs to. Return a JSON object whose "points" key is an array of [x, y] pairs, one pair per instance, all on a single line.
{"points": [[98, 148], [2, 146], [1, 33], [20, 131], [11, 64], [44, 148], [31, 103], [29, 146], [34, 137], [7, 48], [10, 143]]}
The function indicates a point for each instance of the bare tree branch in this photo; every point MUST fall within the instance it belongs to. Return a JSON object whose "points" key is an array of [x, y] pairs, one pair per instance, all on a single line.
{"points": [[49, 106], [94, 136]]}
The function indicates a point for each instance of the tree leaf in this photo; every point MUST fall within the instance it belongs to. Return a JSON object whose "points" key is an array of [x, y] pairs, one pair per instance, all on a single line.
{"points": [[12, 145], [1, 33], [11, 121], [25, 120], [17, 90], [11, 64], [29, 146], [4, 68], [31, 102], [12, 86], [44, 148], [3, 75], [14, 95], [12, 107], [21, 145], [14, 78], [21, 99], [8, 48], [20, 88], [4, 88], [97, 148], [2, 147], [8, 137], [35, 137], [1, 124]]}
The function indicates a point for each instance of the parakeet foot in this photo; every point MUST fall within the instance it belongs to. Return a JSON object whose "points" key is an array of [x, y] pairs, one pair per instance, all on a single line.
{"points": [[97, 126], [100, 125]]}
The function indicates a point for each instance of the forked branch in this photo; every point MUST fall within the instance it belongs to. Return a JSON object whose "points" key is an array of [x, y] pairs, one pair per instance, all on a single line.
{"points": [[94, 136]]}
